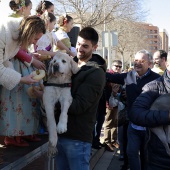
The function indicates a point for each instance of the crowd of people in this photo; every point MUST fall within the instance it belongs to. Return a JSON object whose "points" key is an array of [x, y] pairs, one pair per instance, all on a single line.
{"points": [[99, 95], [139, 147]]}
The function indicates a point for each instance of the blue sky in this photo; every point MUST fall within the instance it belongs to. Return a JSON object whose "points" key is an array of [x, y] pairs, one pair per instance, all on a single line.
{"points": [[159, 14]]}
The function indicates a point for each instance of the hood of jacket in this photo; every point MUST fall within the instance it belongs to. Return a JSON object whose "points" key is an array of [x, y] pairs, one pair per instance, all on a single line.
{"points": [[95, 61]]}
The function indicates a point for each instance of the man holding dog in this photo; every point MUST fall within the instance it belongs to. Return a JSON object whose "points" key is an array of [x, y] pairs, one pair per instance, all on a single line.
{"points": [[74, 146], [158, 159], [134, 81]]}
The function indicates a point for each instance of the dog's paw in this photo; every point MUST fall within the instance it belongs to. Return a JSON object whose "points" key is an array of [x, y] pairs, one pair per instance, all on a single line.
{"points": [[61, 128], [52, 150]]}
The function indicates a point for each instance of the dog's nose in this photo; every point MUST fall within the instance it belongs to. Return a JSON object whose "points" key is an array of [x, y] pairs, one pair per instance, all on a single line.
{"points": [[56, 67]]}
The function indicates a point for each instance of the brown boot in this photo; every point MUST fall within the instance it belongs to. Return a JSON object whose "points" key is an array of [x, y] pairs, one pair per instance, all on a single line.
{"points": [[115, 144], [109, 147]]}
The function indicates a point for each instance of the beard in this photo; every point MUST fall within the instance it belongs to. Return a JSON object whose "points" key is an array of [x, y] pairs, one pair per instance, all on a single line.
{"points": [[156, 64], [83, 56]]}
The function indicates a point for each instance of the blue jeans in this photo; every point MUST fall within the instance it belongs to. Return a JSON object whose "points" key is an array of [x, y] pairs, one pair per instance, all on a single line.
{"points": [[136, 145], [72, 154]]}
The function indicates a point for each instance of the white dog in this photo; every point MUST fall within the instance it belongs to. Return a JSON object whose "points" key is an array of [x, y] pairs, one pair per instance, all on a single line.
{"points": [[162, 132], [57, 89]]}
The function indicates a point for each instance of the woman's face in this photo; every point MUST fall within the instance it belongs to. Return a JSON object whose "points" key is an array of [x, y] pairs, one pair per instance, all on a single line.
{"points": [[35, 38], [27, 10], [69, 25], [51, 9], [51, 25]]}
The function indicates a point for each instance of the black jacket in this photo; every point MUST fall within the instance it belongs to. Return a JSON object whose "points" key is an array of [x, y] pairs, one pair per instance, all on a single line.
{"points": [[87, 89], [133, 86], [143, 116]]}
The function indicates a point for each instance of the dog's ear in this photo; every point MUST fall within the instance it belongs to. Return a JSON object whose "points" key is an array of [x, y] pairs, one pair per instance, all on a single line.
{"points": [[50, 69], [74, 67]]}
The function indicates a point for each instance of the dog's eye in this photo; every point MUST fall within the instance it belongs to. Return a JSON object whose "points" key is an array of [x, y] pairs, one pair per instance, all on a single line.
{"points": [[64, 61], [54, 61]]}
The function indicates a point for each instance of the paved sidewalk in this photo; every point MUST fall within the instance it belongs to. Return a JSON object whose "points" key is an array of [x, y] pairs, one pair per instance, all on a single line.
{"points": [[109, 161]]}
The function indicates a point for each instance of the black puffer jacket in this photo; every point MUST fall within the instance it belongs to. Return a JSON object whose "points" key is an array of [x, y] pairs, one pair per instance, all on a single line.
{"points": [[143, 116]]}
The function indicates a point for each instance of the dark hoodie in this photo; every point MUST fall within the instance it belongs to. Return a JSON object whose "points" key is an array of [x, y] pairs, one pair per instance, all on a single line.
{"points": [[87, 88]]}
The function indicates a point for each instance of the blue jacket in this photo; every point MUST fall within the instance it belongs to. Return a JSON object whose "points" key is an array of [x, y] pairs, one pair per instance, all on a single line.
{"points": [[143, 116]]}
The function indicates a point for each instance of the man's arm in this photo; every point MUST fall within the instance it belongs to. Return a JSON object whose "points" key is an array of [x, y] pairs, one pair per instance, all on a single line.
{"points": [[88, 92], [116, 78], [141, 114]]}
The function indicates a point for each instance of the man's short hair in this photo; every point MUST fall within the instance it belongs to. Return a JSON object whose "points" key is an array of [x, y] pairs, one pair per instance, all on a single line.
{"points": [[89, 33], [163, 54], [116, 61], [147, 53]]}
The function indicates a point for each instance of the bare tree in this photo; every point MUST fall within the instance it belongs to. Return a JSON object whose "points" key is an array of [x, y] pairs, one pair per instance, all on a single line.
{"points": [[131, 38], [97, 12]]}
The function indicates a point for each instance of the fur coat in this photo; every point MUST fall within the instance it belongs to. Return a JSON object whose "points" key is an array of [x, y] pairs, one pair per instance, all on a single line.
{"points": [[9, 47]]}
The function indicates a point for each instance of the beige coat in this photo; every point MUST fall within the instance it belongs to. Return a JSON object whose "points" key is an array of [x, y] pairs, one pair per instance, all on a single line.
{"points": [[9, 78]]}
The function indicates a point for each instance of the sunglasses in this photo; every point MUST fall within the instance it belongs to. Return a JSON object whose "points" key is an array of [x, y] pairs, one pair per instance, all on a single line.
{"points": [[118, 66]]}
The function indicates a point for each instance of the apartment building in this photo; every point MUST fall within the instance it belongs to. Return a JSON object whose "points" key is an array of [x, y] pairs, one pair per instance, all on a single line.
{"points": [[156, 38], [153, 39], [165, 39]]}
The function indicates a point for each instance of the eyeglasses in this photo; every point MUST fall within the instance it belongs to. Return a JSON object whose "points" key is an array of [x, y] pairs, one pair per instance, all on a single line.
{"points": [[140, 61], [118, 66]]}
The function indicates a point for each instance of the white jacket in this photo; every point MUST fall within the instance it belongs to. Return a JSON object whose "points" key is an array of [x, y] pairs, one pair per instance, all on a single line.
{"points": [[9, 47]]}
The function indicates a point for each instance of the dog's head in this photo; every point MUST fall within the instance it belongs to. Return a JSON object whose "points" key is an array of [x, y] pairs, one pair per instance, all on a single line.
{"points": [[62, 63]]}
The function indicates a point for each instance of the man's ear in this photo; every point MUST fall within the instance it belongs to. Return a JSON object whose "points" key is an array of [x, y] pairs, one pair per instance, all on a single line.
{"points": [[166, 64], [95, 47]]}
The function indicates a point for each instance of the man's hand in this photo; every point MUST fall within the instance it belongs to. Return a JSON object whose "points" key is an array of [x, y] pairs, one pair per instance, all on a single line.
{"points": [[115, 89]]}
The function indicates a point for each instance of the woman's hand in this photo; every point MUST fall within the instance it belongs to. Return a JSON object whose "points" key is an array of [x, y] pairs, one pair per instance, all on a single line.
{"points": [[36, 55], [71, 54], [38, 93], [38, 64], [28, 80]]}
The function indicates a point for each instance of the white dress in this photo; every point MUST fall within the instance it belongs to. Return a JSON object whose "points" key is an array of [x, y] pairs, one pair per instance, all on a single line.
{"points": [[19, 114]]}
